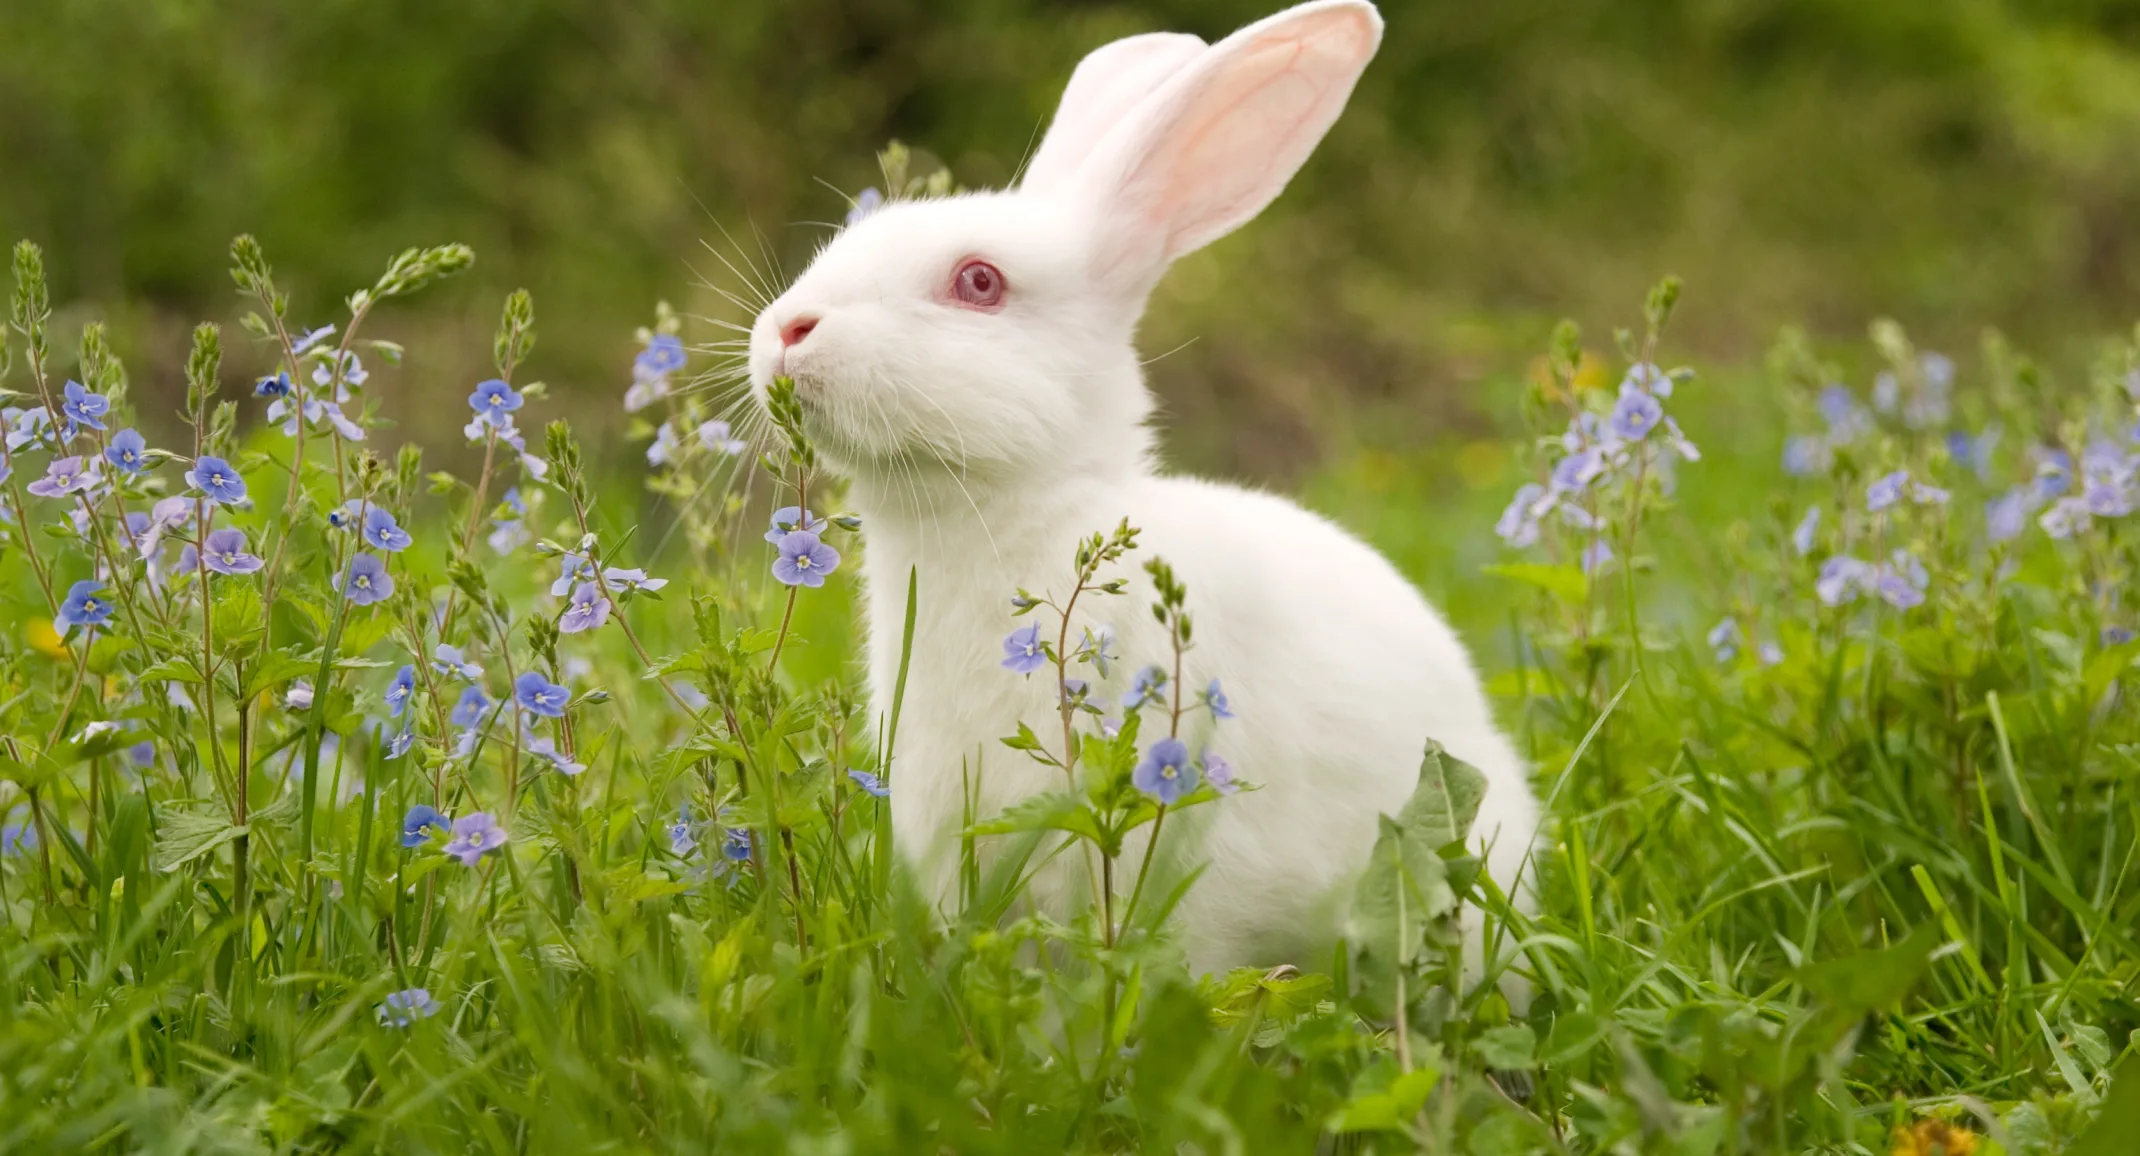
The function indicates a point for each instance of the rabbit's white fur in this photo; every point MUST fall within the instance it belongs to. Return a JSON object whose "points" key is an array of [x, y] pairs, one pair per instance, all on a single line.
{"points": [[982, 445]]}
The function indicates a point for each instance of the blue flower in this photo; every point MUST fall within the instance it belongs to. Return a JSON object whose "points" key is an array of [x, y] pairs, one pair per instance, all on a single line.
{"points": [[1806, 455], [1219, 773], [1596, 555], [1847, 420], [310, 338], [1901, 583], [2054, 471], [1579, 469], [572, 568], [475, 836], [2008, 514], [275, 385], [788, 519], [2116, 636], [141, 754], [736, 844], [449, 662], [1841, 577], [64, 476], [1022, 652], [401, 742], [664, 353], [1635, 415], [545, 749], [804, 560], [539, 695], [1518, 525], [1886, 491], [403, 1008], [634, 580], [224, 552], [352, 371], [128, 451], [1647, 378], [1097, 648], [367, 581], [399, 690], [682, 842], [587, 610], [663, 449], [2066, 517], [1802, 537], [718, 438], [1724, 639], [214, 477], [1215, 698], [83, 407], [416, 826], [868, 202], [17, 838], [382, 532], [84, 605], [870, 784], [1769, 653], [1165, 772], [492, 400], [469, 710], [1144, 687]]}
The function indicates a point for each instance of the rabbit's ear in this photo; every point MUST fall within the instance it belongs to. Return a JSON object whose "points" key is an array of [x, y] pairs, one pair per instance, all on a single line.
{"points": [[1219, 140], [1107, 85]]}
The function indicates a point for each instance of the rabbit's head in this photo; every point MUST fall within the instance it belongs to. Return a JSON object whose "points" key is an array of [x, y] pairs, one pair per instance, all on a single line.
{"points": [[988, 332]]}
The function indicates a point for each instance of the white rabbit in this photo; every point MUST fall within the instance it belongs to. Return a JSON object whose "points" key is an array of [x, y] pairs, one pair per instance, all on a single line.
{"points": [[968, 363]]}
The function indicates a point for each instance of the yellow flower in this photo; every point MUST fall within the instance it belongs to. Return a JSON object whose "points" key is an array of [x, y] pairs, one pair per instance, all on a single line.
{"points": [[1934, 1138], [42, 638]]}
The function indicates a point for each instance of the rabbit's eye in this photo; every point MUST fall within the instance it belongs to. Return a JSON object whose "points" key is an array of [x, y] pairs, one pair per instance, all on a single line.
{"points": [[979, 285]]}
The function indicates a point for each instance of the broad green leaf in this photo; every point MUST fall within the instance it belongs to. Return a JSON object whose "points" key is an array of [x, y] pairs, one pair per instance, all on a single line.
{"points": [[185, 835], [172, 669], [239, 618], [1445, 802], [1508, 1049], [1053, 811], [1567, 583], [1391, 1108], [275, 668]]}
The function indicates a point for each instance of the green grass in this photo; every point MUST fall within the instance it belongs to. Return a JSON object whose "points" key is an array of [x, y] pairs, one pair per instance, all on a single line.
{"points": [[1782, 907]]}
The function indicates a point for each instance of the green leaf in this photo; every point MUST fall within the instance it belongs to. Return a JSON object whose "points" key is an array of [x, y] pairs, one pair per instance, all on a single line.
{"points": [[1567, 583], [1856, 986], [1507, 1049], [183, 836], [1024, 740], [1446, 801], [172, 669], [1391, 1108], [1573, 1035], [239, 618], [1053, 811], [275, 668], [2117, 1120]]}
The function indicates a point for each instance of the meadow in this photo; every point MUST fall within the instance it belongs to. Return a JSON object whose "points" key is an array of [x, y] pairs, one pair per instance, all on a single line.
{"points": [[356, 805]]}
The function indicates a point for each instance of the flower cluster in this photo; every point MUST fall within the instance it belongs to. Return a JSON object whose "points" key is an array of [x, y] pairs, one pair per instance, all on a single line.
{"points": [[1632, 443]]}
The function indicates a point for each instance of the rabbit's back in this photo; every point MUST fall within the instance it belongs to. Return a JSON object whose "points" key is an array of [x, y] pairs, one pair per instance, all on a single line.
{"points": [[1338, 672]]}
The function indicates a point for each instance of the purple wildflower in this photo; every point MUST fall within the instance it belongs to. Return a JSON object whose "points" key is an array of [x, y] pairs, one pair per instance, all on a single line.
{"points": [[1165, 772], [804, 560]]}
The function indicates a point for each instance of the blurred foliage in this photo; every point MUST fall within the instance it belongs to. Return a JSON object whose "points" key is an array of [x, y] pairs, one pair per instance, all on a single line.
{"points": [[1817, 160]]}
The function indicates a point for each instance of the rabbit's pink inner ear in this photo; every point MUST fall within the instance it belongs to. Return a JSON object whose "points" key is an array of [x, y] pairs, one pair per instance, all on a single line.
{"points": [[1219, 142], [1107, 85]]}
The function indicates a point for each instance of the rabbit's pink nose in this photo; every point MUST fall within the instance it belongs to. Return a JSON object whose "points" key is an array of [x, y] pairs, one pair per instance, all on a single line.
{"points": [[794, 331]]}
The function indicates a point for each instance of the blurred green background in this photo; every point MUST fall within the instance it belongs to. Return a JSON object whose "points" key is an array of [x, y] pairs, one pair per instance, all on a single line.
{"points": [[1953, 163]]}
